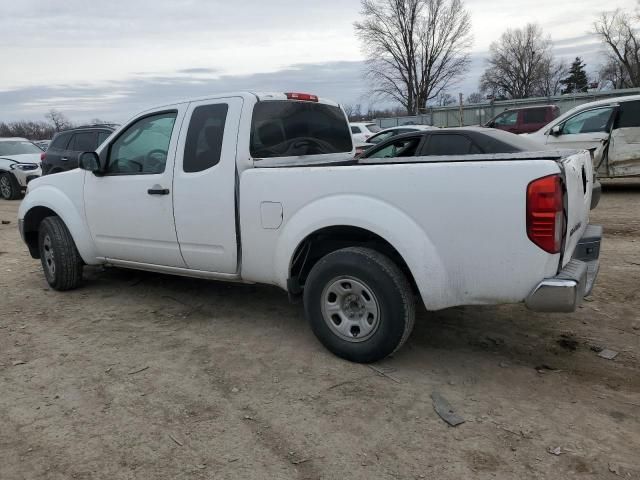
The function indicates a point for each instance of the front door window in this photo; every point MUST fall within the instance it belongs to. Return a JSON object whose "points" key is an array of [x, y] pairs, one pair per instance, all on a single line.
{"points": [[143, 147]]}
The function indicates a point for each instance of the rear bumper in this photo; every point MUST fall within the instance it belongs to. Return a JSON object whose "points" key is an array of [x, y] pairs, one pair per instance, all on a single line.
{"points": [[565, 291]]}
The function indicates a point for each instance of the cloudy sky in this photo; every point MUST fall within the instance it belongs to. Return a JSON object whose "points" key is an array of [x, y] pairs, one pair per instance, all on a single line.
{"points": [[112, 59]]}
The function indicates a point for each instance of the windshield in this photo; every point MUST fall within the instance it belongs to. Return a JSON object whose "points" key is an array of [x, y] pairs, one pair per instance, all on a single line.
{"points": [[373, 128], [286, 128], [18, 147]]}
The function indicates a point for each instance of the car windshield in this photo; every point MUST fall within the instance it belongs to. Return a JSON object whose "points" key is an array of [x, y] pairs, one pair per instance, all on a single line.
{"points": [[373, 128], [18, 147]]}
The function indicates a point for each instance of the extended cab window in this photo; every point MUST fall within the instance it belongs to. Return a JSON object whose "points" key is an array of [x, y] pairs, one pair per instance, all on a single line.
{"points": [[591, 121], [356, 130], [143, 147], [204, 137], [290, 128]]}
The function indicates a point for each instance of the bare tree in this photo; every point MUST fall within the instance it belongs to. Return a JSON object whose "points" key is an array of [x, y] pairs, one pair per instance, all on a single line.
{"points": [[552, 74], [414, 48], [443, 99], [27, 129], [521, 64], [58, 119], [612, 74], [620, 32], [474, 98]]}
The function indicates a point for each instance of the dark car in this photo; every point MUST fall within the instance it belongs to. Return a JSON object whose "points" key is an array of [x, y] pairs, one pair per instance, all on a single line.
{"points": [[66, 147], [524, 120], [452, 141]]}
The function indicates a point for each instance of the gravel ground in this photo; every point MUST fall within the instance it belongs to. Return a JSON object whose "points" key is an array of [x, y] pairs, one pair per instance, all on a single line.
{"points": [[144, 376]]}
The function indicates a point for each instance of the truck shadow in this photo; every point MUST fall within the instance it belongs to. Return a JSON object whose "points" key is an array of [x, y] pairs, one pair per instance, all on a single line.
{"points": [[457, 336]]}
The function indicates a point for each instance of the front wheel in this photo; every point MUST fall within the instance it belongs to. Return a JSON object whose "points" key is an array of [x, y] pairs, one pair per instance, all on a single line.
{"points": [[9, 187], [359, 304], [61, 261]]}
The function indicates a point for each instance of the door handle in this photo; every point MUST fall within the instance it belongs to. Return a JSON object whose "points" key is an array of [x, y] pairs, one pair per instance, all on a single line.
{"points": [[64, 159], [158, 191]]}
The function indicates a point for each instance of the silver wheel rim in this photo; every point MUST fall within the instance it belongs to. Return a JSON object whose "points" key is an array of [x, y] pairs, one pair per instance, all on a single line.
{"points": [[5, 187], [48, 255], [350, 309]]}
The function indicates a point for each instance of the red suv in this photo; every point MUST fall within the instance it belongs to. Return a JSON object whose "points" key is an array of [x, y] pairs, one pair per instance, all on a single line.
{"points": [[524, 120]]}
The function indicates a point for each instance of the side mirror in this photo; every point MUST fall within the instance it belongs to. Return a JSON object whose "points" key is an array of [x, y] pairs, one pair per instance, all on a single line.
{"points": [[90, 161], [556, 130]]}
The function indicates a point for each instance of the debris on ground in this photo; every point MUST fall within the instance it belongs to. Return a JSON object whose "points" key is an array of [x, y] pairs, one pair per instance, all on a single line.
{"points": [[384, 372], [445, 411], [555, 451], [596, 348], [19, 362], [176, 441], [6, 222], [139, 370], [608, 354]]}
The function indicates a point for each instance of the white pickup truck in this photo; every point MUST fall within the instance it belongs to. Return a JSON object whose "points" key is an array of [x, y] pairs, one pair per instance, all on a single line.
{"points": [[264, 188]]}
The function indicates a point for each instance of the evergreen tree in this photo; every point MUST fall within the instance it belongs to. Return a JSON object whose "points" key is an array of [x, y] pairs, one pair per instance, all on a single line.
{"points": [[577, 80]]}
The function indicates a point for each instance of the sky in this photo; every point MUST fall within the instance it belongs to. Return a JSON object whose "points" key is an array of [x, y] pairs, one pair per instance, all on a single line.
{"points": [[112, 59]]}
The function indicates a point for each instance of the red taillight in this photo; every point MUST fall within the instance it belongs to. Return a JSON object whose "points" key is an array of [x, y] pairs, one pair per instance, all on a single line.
{"points": [[301, 96], [43, 155], [545, 213]]}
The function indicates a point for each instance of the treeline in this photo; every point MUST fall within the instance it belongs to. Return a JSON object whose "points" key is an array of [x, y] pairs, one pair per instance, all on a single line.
{"points": [[55, 122], [28, 129]]}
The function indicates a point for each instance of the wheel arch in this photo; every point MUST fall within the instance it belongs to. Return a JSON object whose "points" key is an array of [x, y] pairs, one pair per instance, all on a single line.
{"points": [[31, 226], [365, 222], [46, 201], [329, 239]]}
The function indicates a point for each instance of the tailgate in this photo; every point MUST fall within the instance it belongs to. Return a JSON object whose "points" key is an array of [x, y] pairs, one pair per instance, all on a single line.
{"points": [[578, 178]]}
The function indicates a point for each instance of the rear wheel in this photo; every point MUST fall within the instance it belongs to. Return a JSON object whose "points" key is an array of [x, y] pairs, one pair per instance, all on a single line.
{"points": [[359, 304], [9, 187], [60, 259]]}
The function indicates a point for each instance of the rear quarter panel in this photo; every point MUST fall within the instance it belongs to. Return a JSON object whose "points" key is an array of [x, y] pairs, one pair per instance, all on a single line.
{"points": [[460, 227]]}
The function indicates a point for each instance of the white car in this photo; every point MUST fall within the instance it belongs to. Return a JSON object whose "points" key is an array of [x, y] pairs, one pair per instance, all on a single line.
{"points": [[263, 188], [19, 164], [590, 125], [361, 131]]}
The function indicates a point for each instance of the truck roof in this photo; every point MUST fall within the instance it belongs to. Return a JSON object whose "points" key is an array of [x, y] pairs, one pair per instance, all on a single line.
{"points": [[249, 95]]}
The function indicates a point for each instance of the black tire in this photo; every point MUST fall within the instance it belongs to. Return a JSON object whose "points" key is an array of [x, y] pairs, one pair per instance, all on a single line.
{"points": [[60, 259], [376, 276], [9, 187]]}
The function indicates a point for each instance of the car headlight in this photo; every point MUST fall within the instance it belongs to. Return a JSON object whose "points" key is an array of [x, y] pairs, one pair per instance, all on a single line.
{"points": [[24, 166]]}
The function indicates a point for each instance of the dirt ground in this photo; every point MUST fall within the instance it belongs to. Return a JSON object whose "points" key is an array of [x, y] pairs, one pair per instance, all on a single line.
{"points": [[145, 376]]}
